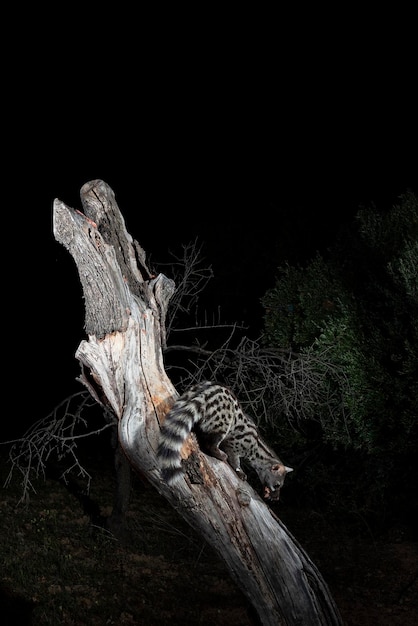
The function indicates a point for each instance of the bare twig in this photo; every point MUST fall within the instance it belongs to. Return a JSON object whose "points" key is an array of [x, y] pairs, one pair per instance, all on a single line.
{"points": [[53, 437]]}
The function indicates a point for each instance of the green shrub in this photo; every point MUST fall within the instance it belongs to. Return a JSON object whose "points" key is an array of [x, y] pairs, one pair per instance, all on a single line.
{"points": [[351, 320]]}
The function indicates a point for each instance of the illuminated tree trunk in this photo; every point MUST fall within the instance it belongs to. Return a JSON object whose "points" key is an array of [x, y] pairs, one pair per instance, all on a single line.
{"points": [[122, 367]]}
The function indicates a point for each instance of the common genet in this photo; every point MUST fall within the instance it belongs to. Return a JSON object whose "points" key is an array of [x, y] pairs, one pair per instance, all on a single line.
{"points": [[224, 431]]}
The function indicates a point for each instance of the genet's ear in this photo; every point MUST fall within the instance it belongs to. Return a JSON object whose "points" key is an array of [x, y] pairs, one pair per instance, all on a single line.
{"points": [[281, 469]]}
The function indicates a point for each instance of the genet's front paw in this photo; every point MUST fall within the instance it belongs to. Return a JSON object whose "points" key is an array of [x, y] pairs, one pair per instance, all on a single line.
{"points": [[241, 473], [271, 495]]}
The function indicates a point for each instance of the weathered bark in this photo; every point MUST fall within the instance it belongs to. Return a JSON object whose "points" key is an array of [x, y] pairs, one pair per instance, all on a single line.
{"points": [[122, 367]]}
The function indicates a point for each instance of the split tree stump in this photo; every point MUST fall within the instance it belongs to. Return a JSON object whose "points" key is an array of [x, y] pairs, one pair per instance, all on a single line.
{"points": [[122, 366]]}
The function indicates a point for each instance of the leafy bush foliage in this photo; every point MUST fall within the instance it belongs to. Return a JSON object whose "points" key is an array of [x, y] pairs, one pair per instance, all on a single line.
{"points": [[357, 309]]}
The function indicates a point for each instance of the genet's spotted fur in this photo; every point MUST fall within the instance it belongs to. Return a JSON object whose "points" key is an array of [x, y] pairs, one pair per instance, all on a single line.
{"points": [[223, 431]]}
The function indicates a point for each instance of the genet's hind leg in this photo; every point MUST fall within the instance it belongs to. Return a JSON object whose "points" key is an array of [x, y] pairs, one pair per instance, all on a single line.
{"points": [[210, 445], [234, 460]]}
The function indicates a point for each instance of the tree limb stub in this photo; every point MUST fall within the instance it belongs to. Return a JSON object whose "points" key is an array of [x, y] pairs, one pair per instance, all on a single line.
{"points": [[122, 366]]}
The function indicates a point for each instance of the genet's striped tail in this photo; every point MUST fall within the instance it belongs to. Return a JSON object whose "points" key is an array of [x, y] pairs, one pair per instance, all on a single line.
{"points": [[174, 432]]}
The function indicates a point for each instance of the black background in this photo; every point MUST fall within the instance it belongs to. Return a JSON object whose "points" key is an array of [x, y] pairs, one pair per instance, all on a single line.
{"points": [[258, 143]]}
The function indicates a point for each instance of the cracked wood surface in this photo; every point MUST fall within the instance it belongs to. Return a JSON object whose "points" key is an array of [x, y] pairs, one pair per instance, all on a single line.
{"points": [[122, 366]]}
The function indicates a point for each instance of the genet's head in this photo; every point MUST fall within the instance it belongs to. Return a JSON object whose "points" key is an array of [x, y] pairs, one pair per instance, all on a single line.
{"points": [[274, 479]]}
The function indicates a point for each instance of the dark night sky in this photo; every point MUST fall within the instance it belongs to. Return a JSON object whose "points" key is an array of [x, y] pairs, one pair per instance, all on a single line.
{"points": [[260, 162]]}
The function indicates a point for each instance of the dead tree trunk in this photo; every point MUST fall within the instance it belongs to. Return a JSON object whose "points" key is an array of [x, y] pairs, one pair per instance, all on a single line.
{"points": [[122, 367]]}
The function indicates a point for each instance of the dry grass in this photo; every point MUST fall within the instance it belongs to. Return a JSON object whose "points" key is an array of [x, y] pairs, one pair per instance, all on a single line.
{"points": [[59, 565]]}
